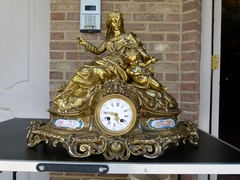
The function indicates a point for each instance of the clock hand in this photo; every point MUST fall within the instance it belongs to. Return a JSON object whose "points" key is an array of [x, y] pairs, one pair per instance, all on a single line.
{"points": [[114, 114]]}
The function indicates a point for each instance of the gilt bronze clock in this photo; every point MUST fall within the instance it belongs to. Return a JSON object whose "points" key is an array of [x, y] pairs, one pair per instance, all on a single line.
{"points": [[114, 105]]}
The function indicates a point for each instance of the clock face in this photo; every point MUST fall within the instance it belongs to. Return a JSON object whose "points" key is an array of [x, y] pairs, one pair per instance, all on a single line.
{"points": [[115, 114]]}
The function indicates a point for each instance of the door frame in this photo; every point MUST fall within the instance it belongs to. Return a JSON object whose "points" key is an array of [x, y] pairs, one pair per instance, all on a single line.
{"points": [[210, 79], [216, 73]]}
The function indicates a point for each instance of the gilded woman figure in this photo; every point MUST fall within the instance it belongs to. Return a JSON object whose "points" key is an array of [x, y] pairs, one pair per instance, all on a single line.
{"points": [[116, 43]]}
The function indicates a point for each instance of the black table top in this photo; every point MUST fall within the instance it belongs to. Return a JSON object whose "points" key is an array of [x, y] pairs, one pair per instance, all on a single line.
{"points": [[13, 147]]}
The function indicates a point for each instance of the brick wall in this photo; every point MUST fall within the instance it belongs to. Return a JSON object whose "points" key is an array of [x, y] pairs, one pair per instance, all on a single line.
{"points": [[169, 30]]}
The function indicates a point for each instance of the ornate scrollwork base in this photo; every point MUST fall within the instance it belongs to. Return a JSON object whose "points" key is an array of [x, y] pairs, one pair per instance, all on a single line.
{"points": [[81, 145]]}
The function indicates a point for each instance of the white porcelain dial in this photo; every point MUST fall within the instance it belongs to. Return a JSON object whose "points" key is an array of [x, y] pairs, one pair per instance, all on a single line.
{"points": [[115, 114]]}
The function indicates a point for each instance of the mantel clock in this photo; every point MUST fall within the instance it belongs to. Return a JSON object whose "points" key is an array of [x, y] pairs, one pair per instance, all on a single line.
{"points": [[114, 105]]}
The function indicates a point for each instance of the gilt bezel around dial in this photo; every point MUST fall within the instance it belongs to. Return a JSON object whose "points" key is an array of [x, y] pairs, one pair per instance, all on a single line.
{"points": [[115, 114]]}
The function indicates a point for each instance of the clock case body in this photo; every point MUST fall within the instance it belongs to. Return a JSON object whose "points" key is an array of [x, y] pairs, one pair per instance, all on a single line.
{"points": [[152, 130]]}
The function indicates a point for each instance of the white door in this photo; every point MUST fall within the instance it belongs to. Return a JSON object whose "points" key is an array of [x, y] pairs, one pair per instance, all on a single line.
{"points": [[24, 64], [24, 58]]}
